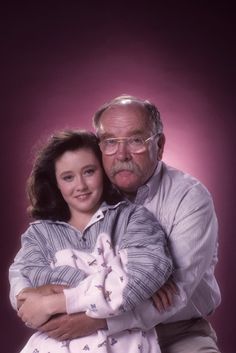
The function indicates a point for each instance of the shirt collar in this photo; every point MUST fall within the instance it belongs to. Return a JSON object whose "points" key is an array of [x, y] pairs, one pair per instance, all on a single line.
{"points": [[148, 190], [98, 215]]}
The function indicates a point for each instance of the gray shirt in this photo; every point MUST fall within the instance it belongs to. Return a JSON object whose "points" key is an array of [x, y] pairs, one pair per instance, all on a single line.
{"points": [[185, 209]]}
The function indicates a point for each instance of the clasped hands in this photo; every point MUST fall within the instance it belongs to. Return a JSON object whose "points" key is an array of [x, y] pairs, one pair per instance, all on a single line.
{"points": [[63, 326], [32, 304]]}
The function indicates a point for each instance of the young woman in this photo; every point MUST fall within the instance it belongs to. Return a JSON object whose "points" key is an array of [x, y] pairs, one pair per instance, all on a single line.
{"points": [[109, 256]]}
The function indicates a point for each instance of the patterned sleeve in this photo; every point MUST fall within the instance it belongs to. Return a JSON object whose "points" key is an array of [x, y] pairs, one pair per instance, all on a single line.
{"points": [[193, 243], [34, 263], [149, 261], [128, 276]]}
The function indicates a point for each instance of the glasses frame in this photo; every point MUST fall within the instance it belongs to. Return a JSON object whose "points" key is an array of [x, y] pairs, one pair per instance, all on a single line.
{"points": [[124, 139]]}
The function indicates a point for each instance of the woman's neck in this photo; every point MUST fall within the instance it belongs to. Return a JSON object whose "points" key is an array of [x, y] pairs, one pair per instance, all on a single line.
{"points": [[80, 220]]}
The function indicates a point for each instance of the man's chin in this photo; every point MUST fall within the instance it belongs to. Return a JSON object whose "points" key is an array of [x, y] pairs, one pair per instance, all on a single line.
{"points": [[126, 181]]}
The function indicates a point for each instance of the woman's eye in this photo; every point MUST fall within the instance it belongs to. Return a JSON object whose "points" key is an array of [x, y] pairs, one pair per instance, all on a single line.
{"points": [[89, 171], [68, 178]]}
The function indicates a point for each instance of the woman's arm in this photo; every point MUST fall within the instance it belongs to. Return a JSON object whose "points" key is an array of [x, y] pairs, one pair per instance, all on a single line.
{"points": [[32, 266], [123, 279], [128, 276]]}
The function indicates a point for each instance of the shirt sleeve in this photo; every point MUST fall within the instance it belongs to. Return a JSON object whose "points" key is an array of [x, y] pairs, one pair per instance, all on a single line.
{"points": [[32, 266], [193, 243], [145, 316], [16, 279], [139, 268]]}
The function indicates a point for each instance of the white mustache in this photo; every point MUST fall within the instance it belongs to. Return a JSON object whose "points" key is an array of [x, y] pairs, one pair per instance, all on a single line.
{"points": [[129, 166]]}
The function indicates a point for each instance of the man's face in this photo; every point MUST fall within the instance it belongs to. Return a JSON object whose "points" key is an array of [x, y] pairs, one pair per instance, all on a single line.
{"points": [[128, 171]]}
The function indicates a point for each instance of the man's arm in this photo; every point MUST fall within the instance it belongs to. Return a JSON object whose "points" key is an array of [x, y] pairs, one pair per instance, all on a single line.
{"points": [[193, 244], [76, 325], [194, 226], [143, 240], [63, 327]]}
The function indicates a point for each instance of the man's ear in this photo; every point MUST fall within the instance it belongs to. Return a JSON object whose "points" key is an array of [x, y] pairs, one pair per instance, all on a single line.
{"points": [[160, 143]]}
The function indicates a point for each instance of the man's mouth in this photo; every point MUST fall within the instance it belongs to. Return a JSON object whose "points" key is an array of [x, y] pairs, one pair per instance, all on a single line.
{"points": [[124, 172]]}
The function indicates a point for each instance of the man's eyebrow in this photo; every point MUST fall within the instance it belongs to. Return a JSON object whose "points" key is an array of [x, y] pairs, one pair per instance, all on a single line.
{"points": [[105, 135], [110, 135]]}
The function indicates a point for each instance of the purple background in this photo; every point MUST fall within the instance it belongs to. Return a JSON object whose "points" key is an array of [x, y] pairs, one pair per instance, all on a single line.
{"points": [[60, 63]]}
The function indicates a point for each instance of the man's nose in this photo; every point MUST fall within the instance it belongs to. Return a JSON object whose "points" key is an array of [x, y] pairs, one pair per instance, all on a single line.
{"points": [[123, 152]]}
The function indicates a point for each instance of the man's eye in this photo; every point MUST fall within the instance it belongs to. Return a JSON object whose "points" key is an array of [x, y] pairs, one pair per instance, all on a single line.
{"points": [[136, 141], [110, 142]]}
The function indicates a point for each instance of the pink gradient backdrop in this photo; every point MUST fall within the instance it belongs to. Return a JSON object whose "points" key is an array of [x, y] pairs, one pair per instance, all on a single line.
{"points": [[60, 64]]}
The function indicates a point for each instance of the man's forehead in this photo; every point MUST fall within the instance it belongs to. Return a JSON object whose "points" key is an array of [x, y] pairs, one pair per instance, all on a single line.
{"points": [[115, 127], [130, 110]]}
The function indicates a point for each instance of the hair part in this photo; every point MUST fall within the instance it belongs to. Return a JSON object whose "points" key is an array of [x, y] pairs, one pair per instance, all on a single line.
{"points": [[152, 112], [46, 201]]}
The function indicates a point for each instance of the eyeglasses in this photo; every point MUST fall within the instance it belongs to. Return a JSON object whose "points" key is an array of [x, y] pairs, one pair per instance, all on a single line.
{"points": [[135, 144]]}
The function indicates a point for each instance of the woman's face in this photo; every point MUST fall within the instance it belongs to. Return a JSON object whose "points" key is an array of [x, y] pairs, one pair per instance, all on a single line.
{"points": [[79, 177]]}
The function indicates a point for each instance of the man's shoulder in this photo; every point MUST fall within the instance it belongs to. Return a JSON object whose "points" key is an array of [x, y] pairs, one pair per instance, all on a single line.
{"points": [[177, 175], [176, 179], [173, 187], [176, 194]]}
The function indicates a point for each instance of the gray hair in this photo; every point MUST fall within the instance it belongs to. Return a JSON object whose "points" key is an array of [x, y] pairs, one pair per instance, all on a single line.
{"points": [[152, 111]]}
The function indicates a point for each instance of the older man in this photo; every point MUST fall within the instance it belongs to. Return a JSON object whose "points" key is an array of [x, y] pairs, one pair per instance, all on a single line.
{"points": [[132, 142]]}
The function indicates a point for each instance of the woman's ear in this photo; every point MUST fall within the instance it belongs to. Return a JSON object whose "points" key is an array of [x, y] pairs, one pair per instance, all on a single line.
{"points": [[160, 144]]}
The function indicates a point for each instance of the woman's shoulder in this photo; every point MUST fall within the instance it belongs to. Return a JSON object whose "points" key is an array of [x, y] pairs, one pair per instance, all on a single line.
{"points": [[47, 223]]}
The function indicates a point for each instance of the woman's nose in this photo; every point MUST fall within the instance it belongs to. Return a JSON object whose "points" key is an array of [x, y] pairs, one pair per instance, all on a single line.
{"points": [[81, 183]]}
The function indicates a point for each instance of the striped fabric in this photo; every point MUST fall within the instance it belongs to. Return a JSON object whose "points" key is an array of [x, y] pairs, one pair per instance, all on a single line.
{"points": [[185, 210], [130, 227]]}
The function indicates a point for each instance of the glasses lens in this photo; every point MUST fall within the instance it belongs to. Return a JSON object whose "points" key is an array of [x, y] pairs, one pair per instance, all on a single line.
{"points": [[108, 146], [134, 145]]}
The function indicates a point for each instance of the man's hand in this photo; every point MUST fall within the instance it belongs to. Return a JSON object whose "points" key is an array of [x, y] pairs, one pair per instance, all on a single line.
{"points": [[34, 310], [46, 289], [64, 327], [164, 297]]}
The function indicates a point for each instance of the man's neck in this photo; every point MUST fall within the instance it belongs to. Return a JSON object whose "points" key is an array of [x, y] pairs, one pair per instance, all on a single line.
{"points": [[130, 195]]}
